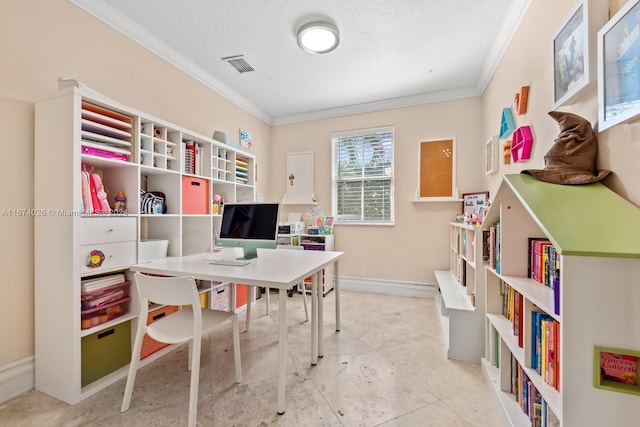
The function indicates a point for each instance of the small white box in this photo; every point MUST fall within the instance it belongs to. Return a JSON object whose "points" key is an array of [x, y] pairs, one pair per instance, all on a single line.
{"points": [[152, 249]]}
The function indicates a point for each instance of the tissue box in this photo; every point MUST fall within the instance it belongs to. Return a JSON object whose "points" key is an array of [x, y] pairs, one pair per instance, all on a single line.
{"points": [[152, 249]]}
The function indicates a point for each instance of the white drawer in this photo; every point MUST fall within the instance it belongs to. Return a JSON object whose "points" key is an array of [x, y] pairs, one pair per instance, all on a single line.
{"points": [[106, 256], [107, 230]]}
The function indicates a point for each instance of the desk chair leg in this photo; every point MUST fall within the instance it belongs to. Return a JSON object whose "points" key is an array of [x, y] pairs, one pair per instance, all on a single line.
{"points": [[194, 360], [133, 370]]}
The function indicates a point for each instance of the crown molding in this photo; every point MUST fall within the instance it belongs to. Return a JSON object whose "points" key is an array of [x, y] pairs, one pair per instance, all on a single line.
{"points": [[503, 40], [139, 35], [370, 107]]}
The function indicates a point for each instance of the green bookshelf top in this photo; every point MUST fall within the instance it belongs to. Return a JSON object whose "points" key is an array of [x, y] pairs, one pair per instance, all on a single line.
{"points": [[583, 220]]}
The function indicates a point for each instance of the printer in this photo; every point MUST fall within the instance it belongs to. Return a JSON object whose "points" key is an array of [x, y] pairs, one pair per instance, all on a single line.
{"points": [[291, 227]]}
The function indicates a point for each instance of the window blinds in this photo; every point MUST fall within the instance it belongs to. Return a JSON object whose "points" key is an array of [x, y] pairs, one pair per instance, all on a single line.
{"points": [[362, 184]]}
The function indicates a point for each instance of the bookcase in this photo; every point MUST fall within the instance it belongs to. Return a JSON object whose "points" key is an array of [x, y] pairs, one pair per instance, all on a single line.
{"points": [[78, 130], [595, 233], [460, 294]]}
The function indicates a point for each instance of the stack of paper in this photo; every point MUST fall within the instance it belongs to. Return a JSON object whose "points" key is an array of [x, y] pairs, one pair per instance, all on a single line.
{"points": [[88, 285]]}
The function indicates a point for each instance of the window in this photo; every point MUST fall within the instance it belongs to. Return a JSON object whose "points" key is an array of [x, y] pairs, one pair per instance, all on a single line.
{"points": [[362, 162]]}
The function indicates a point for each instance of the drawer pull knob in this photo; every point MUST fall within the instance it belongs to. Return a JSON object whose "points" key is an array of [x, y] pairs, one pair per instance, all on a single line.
{"points": [[96, 258]]}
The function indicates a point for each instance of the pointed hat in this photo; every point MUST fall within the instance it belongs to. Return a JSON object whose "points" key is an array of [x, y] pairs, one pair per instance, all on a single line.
{"points": [[572, 159]]}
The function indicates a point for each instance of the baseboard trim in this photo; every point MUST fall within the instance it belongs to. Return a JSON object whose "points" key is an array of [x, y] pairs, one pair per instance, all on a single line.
{"points": [[17, 378], [388, 287]]}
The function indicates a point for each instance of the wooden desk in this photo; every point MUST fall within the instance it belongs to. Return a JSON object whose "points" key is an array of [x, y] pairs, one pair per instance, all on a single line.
{"points": [[279, 269]]}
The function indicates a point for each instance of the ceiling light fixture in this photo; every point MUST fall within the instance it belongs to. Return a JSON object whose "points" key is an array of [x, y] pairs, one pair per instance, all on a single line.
{"points": [[318, 37]]}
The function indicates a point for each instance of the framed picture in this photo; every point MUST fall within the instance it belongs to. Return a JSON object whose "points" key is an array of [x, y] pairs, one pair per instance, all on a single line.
{"points": [[619, 67], [574, 51], [616, 369], [491, 155], [474, 202]]}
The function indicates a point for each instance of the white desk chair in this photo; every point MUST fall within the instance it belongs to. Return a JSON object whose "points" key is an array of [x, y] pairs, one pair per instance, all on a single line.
{"points": [[185, 325]]}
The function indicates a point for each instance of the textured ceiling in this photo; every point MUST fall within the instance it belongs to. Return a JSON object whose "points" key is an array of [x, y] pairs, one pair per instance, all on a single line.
{"points": [[391, 53]]}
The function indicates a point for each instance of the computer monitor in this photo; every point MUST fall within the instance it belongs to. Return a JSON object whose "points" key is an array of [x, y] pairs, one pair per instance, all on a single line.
{"points": [[249, 226]]}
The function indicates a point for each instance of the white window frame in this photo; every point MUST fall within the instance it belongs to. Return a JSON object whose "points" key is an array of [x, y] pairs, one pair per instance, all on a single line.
{"points": [[336, 180]]}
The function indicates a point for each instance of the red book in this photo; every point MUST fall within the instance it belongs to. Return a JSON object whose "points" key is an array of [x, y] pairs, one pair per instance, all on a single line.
{"points": [[520, 320]]}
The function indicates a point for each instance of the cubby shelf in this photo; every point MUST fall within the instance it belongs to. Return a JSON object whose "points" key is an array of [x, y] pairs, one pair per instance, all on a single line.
{"points": [[131, 151]]}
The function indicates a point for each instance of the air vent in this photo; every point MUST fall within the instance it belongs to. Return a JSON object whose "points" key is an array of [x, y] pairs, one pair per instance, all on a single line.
{"points": [[239, 63]]}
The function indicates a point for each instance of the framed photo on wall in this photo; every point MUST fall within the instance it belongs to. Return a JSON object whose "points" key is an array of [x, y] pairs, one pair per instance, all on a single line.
{"points": [[574, 51], [491, 155], [474, 202], [619, 67]]}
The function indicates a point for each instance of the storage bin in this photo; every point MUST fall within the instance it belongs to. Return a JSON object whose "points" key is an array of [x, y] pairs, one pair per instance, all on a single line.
{"points": [[152, 249], [149, 345], [312, 246], [99, 315], [221, 298], [105, 351], [104, 296], [195, 195]]}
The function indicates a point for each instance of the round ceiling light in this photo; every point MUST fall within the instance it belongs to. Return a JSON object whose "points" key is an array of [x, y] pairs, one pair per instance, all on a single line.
{"points": [[318, 37]]}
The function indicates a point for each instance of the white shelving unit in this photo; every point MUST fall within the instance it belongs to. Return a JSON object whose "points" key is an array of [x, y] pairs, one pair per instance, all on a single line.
{"points": [[130, 150], [591, 227], [460, 296], [312, 242]]}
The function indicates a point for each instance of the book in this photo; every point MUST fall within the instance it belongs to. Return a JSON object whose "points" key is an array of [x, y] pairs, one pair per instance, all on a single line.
{"points": [[486, 245], [492, 246], [622, 368], [498, 247], [530, 243]]}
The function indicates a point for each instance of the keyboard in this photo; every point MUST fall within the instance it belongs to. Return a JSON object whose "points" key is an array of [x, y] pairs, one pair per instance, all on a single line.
{"points": [[229, 261]]}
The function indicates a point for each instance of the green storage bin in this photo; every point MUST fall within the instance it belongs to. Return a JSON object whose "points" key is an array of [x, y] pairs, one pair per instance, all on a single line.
{"points": [[105, 351]]}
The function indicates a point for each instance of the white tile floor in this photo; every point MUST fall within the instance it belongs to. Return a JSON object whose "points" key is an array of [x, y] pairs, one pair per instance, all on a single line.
{"points": [[386, 367]]}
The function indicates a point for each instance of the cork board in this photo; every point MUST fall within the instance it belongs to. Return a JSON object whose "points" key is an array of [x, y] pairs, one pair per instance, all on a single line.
{"points": [[436, 175]]}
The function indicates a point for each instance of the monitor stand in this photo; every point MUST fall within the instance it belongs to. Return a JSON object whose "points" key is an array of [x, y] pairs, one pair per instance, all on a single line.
{"points": [[249, 253]]}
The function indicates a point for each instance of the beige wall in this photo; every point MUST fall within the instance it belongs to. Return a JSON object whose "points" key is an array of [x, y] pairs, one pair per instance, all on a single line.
{"points": [[40, 41], [410, 250], [528, 62]]}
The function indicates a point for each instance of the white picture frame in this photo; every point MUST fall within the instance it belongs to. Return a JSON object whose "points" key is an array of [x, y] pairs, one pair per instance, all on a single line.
{"points": [[574, 51], [619, 67], [491, 155]]}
